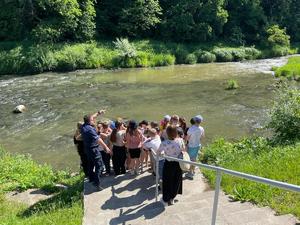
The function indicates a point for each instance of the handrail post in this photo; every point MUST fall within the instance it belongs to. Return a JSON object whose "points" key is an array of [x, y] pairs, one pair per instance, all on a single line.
{"points": [[216, 198], [156, 176]]}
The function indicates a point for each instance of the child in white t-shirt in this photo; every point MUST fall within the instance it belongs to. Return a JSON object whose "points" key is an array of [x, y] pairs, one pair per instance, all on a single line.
{"points": [[153, 143], [194, 135]]}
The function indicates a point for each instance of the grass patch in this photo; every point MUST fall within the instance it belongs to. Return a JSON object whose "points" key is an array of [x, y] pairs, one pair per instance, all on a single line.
{"points": [[232, 84], [291, 70], [257, 157], [19, 172]]}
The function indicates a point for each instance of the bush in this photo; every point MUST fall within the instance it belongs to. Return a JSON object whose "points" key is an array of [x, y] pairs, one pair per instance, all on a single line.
{"points": [[238, 54], [162, 60], [45, 33], [277, 37], [278, 51], [206, 57], [71, 58], [191, 59], [223, 55], [232, 84], [285, 116], [142, 60], [125, 48], [252, 53], [181, 55]]}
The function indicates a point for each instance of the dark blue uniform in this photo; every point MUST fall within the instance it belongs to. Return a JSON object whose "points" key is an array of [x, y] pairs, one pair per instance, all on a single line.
{"points": [[91, 147]]}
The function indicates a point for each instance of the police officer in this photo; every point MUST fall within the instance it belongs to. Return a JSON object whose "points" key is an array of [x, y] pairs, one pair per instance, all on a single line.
{"points": [[91, 146]]}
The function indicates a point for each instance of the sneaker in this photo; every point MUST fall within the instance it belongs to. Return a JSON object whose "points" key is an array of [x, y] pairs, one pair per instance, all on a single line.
{"points": [[189, 175], [131, 172], [171, 202]]}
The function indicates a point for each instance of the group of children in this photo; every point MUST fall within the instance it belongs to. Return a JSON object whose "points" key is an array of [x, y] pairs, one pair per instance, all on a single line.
{"points": [[131, 145]]}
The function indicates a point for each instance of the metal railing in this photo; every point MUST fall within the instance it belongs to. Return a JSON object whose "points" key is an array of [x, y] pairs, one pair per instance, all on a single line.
{"points": [[219, 171]]}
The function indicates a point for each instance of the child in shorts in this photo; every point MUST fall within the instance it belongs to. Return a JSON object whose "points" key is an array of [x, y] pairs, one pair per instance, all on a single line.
{"points": [[194, 135]]}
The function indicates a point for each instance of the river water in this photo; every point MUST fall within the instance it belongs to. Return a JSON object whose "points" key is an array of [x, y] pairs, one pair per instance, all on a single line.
{"points": [[56, 101]]}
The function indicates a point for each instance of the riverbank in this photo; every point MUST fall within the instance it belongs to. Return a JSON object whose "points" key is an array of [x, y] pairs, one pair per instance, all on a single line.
{"points": [[255, 156], [19, 172], [276, 157], [29, 58], [291, 70]]}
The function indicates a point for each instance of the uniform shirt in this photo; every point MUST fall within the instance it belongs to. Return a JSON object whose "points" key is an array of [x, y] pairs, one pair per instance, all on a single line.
{"points": [[90, 140], [194, 134]]}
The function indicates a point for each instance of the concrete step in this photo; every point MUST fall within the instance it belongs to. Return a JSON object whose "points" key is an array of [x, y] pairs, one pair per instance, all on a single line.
{"points": [[128, 199]]}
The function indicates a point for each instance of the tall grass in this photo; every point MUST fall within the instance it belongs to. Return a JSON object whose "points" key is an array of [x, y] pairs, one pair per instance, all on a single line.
{"points": [[19, 172], [257, 157], [291, 70]]}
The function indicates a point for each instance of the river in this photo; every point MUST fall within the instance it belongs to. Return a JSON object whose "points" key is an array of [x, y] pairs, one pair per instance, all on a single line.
{"points": [[56, 101]]}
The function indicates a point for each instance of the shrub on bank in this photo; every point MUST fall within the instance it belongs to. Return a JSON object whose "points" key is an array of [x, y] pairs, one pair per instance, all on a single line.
{"points": [[238, 54], [162, 60], [206, 57], [191, 59], [285, 116], [252, 53], [181, 55], [223, 55]]}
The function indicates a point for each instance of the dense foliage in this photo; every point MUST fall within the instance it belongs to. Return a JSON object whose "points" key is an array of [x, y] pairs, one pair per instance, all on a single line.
{"points": [[285, 116], [28, 58], [238, 21]]}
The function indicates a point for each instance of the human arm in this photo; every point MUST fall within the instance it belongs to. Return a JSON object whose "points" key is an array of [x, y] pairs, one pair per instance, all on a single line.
{"points": [[105, 147], [100, 112]]}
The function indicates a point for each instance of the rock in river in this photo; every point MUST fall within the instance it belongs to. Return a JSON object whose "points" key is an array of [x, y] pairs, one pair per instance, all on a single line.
{"points": [[20, 109]]}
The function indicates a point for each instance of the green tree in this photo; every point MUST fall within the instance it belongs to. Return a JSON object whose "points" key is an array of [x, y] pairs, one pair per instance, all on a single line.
{"points": [[194, 20], [57, 20], [277, 36], [139, 16], [11, 19], [86, 24], [293, 20], [127, 18], [246, 18]]}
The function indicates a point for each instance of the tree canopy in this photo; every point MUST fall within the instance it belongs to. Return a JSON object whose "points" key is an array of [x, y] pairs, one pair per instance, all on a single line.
{"points": [[238, 21]]}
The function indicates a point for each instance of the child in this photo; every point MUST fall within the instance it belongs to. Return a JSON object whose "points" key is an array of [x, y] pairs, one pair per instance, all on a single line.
{"points": [[153, 143], [194, 136]]}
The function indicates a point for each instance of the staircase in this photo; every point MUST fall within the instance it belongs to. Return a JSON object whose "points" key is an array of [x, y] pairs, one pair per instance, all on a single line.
{"points": [[130, 199]]}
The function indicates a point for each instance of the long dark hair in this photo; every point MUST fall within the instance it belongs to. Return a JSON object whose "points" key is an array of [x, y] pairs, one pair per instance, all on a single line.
{"points": [[113, 136], [132, 127]]}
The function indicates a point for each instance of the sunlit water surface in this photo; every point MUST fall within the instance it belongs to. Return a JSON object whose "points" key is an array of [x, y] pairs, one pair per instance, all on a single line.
{"points": [[56, 102]]}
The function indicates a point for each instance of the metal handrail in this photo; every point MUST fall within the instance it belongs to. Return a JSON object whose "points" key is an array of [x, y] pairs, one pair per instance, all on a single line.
{"points": [[220, 170]]}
